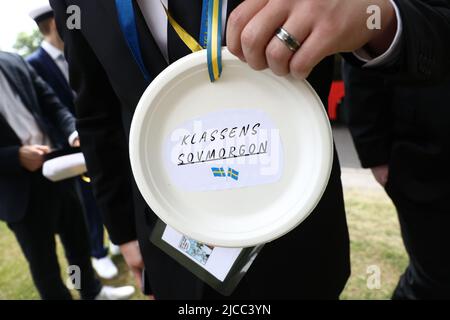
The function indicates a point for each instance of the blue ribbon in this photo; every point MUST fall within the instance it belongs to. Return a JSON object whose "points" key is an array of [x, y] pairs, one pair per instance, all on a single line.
{"points": [[127, 21], [203, 37]]}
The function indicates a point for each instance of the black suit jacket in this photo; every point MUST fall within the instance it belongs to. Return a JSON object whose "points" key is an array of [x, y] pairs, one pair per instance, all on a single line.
{"points": [[406, 127], [46, 108], [424, 51]]}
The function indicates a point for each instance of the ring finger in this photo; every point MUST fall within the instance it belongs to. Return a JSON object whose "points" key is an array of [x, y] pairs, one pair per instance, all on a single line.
{"points": [[278, 54]]}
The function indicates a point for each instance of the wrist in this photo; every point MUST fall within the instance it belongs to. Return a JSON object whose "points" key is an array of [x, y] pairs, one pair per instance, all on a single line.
{"points": [[73, 138], [382, 38], [130, 244]]}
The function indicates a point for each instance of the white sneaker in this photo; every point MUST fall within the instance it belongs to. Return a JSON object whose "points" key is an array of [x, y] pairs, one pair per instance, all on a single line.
{"points": [[113, 249], [105, 268], [112, 293]]}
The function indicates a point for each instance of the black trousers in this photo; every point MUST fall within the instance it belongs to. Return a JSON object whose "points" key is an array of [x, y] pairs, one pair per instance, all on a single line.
{"points": [[94, 220], [425, 231], [55, 208]]}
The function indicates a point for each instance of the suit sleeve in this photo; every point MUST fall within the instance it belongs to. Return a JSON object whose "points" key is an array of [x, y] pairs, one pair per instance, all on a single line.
{"points": [[100, 126], [51, 106], [9, 160], [425, 46], [369, 101]]}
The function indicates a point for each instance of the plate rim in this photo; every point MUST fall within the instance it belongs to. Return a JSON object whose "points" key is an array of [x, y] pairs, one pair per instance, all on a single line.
{"points": [[141, 111]]}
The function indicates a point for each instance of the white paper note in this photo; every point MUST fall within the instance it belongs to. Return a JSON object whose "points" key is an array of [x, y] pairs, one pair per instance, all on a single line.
{"points": [[216, 260]]}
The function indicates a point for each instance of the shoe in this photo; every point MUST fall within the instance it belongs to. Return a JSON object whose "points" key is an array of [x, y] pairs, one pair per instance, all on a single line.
{"points": [[112, 293], [114, 250], [105, 268]]}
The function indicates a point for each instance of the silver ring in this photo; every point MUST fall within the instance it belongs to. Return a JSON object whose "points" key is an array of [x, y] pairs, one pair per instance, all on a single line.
{"points": [[288, 39]]}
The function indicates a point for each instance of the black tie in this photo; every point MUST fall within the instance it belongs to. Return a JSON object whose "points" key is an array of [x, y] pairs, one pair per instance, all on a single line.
{"points": [[188, 15]]}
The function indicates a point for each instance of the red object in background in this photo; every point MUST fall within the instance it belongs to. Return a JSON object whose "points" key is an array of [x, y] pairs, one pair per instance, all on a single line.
{"points": [[337, 93]]}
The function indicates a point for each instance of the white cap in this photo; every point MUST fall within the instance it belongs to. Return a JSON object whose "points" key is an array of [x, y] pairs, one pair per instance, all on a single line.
{"points": [[41, 12]]}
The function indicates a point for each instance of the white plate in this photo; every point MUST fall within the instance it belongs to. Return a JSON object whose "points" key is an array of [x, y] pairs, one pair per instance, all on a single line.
{"points": [[275, 190]]}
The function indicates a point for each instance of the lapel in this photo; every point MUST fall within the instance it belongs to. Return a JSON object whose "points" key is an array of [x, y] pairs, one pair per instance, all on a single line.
{"points": [[18, 81], [54, 69], [109, 44], [102, 31], [152, 55]]}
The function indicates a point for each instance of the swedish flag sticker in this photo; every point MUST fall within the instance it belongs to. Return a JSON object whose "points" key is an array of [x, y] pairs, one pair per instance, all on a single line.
{"points": [[233, 174], [218, 172]]}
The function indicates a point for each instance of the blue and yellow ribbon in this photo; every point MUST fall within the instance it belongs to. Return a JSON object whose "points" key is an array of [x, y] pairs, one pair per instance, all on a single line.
{"points": [[210, 35], [214, 39]]}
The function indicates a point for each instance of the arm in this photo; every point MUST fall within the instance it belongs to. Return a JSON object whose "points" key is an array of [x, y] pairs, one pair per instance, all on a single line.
{"points": [[101, 133], [426, 29], [326, 27], [14, 159], [51, 106], [422, 49], [368, 100]]}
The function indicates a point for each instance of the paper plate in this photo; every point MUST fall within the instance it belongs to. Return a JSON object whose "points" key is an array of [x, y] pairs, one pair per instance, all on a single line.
{"points": [[235, 163]]}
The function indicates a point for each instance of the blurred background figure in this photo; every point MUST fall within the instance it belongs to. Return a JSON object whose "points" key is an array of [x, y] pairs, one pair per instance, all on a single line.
{"points": [[35, 208], [49, 62], [401, 132]]}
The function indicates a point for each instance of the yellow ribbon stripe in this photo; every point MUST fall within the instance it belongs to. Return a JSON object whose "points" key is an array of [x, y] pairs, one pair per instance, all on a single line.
{"points": [[86, 178], [183, 34]]}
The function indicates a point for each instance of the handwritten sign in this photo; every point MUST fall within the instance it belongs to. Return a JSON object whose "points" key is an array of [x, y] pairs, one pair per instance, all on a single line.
{"points": [[233, 148]]}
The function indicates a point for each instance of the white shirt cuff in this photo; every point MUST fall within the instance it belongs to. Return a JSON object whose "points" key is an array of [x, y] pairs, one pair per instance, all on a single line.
{"points": [[386, 57], [73, 137]]}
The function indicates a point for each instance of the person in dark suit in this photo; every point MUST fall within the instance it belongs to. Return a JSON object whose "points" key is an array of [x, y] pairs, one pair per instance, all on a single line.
{"points": [[33, 207], [109, 84], [401, 132], [51, 65]]}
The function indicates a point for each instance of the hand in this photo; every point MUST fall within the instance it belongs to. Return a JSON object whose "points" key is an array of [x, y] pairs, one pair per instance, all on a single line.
{"points": [[323, 27], [32, 157], [381, 174], [76, 143], [132, 255]]}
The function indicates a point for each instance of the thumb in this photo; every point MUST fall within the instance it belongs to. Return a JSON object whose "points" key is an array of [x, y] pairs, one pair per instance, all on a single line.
{"points": [[38, 151], [44, 149]]}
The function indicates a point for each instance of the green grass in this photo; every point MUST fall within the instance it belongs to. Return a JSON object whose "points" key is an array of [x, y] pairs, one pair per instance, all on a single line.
{"points": [[374, 233], [375, 240], [15, 279]]}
